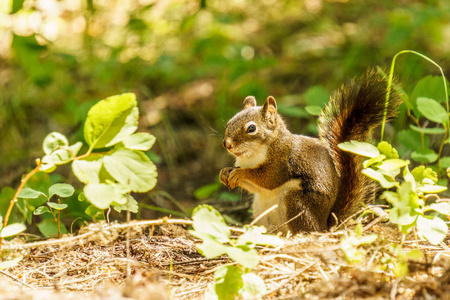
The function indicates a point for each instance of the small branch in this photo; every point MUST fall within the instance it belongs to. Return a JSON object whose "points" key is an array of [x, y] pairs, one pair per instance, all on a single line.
{"points": [[262, 215]]}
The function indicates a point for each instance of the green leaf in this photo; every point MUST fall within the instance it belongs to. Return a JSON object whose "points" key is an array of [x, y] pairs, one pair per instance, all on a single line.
{"points": [[386, 149], [63, 190], [206, 191], [432, 110], [228, 282], [412, 140], [131, 168], [139, 141], [10, 263], [17, 5], [422, 173], [313, 110], [29, 193], [442, 208], [377, 176], [209, 221], [415, 254], [360, 148], [317, 96], [49, 228], [111, 120], [12, 229], [391, 165], [433, 229], [255, 235], [54, 141], [427, 130], [41, 210], [75, 148], [369, 162], [132, 205], [57, 206], [102, 195], [431, 189], [292, 111], [430, 87], [95, 213], [444, 162], [88, 170], [254, 287], [424, 155], [58, 157], [243, 255]]}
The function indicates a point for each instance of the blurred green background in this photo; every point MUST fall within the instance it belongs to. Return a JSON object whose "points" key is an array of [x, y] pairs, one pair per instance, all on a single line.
{"points": [[191, 63]]}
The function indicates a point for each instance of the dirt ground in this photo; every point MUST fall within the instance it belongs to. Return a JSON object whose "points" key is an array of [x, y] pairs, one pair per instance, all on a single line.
{"points": [[158, 259]]}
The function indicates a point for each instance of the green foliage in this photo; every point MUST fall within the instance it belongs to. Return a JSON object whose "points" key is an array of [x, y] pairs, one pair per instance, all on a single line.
{"points": [[110, 175], [409, 207], [231, 281]]}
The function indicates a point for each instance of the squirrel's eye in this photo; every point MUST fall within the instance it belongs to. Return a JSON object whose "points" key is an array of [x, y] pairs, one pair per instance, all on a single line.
{"points": [[251, 128]]}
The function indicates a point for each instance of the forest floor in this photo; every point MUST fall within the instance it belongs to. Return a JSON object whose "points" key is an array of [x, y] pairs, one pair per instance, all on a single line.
{"points": [[159, 260]]}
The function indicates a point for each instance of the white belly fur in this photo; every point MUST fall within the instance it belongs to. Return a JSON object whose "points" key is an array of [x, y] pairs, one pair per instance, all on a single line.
{"points": [[265, 199]]}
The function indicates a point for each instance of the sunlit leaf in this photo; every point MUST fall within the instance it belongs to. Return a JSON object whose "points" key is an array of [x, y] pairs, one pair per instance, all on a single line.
{"points": [[102, 195], [12, 230], [111, 120], [360, 148], [254, 287], [41, 210], [386, 149], [384, 182], [139, 141], [433, 229], [228, 282], [54, 141], [432, 110], [29, 193], [57, 206], [63, 190]]}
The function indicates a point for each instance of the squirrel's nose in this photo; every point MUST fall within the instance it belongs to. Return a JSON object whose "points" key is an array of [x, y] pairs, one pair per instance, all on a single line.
{"points": [[227, 143]]}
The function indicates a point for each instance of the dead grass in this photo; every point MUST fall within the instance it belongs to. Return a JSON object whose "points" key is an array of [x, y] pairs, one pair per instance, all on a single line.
{"points": [[163, 263]]}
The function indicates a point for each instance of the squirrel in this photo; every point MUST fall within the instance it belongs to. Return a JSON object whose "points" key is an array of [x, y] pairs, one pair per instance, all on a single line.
{"points": [[315, 184]]}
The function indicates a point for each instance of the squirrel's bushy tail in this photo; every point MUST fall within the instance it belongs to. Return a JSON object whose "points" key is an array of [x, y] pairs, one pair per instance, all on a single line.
{"points": [[353, 112]]}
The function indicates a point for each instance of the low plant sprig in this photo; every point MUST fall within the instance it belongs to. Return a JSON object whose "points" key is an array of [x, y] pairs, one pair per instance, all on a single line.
{"points": [[231, 281], [113, 166]]}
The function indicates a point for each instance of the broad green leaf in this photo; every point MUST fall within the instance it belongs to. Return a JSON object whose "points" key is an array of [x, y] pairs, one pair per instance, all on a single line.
{"points": [[57, 206], [427, 130], [63, 190], [41, 210], [102, 195], [208, 220], [377, 176], [431, 189], [442, 207], [88, 170], [412, 140], [317, 96], [292, 111], [54, 141], [49, 228], [29, 193], [424, 156], [254, 287], [432, 110], [10, 263], [408, 177], [433, 229], [228, 282], [243, 255], [414, 254], [391, 165], [313, 110], [12, 230], [47, 168], [386, 149], [75, 148], [210, 247], [444, 162], [401, 269], [360, 148], [429, 86], [131, 168], [139, 141], [111, 120]]}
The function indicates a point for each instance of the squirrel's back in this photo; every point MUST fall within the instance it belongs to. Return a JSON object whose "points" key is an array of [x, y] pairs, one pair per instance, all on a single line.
{"points": [[353, 112]]}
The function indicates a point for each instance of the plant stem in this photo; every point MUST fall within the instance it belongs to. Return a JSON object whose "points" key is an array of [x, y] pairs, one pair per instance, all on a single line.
{"points": [[58, 221], [14, 200]]}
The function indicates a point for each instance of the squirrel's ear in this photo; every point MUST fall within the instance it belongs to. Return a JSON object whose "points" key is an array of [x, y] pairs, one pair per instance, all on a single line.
{"points": [[249, 101], [269, 110]]}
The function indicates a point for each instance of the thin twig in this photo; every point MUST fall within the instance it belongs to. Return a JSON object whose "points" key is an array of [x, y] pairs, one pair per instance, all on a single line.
{"points": [[266, 212], [17, 280]]}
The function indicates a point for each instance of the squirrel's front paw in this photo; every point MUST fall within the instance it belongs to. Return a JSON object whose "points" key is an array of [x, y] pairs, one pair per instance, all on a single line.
{"points": [[234, 178], [225, 175]]}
